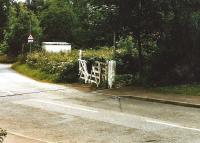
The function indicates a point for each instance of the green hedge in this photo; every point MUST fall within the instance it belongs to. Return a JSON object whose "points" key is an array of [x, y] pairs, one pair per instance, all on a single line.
{"points": [[34, 73], [64, 65]]}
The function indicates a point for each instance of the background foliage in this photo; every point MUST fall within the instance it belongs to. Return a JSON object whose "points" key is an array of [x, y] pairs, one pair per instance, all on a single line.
{"points": [[18, 29], [158, 40], [63, 66]]}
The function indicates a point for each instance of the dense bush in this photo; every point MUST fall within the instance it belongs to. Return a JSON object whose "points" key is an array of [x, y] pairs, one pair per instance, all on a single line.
{"points": [[3, 47], [65, 66], [126, 56], [124, 80]]}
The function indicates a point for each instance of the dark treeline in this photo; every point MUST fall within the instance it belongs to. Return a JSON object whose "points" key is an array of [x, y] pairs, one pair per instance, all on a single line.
{"points": [[165, 33]]}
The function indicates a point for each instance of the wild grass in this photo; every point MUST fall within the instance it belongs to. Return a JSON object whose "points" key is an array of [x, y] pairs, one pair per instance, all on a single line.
{"points": [[188, 89], [34, 73]]}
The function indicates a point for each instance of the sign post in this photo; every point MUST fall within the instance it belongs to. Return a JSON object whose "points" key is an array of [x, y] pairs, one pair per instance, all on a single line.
{"points": [[30, 40]]}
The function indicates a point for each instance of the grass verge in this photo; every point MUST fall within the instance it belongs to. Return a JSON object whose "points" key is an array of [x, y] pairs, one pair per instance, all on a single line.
{"points": [[189, 89], [34, 73]]}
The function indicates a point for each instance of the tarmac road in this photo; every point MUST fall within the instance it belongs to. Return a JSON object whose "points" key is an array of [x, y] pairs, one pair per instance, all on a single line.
{"points": [[35, 112]]}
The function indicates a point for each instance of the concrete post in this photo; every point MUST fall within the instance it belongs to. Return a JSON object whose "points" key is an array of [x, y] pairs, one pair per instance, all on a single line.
{"points": [[111, 73], [80, 54]]}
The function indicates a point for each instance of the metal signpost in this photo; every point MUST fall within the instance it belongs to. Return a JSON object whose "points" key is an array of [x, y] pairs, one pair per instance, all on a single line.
{"points": [[30, 40]]}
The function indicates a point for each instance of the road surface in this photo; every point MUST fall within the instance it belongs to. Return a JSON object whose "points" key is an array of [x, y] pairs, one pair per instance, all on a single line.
{"points": [[35, 112]]}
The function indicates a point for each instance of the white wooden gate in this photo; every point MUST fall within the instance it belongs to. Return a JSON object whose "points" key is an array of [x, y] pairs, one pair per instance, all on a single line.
{"points": [[83, 71], [99, 72]]}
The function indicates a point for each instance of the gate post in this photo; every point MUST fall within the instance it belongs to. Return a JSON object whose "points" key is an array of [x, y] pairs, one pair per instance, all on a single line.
{"points": [[111, 73], [80, 54]]}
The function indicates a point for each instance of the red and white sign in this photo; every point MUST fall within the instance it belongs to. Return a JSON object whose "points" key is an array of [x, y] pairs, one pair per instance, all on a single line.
{"points": [[30, 39]]}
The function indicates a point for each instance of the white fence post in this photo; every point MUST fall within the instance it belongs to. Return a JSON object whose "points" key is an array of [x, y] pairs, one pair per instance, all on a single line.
{"points": [[111, 73], [80, 54]]}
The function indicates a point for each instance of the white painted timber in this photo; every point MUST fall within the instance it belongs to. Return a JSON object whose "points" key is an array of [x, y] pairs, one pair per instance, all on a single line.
{"points": [[111, 73], [57, 47]]}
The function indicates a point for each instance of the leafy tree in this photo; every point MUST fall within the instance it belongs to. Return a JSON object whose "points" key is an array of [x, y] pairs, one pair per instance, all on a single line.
{"points": [[140, 18], [4, 10], [57, 21], [37, 6], [95, 23], [104, 20], [172, 24], [177, 60], [82, 35], [19, 29]]}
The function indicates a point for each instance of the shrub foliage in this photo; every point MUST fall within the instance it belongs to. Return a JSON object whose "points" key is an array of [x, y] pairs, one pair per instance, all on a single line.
{"points": [[64, 65]]}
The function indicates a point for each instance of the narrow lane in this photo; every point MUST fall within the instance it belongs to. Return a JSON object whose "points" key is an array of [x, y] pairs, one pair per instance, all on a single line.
{"points": [[12, 83], [48, 113]]}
